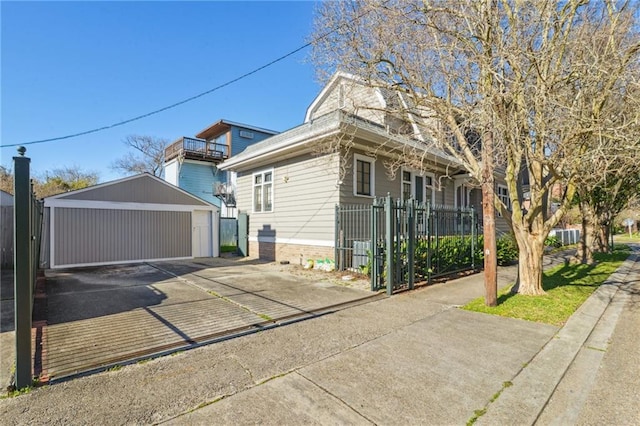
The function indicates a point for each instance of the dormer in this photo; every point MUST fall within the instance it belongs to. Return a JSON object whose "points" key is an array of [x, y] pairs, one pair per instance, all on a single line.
{"points": [[351, 94]]}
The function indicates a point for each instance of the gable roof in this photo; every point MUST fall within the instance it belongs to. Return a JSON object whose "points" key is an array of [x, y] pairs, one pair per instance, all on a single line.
{"points": [[222, 126], [142, 188]]}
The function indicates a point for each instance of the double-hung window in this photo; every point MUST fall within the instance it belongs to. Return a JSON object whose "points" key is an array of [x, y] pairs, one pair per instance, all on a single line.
{"points": [[406, 186], [503, 195], [363, 176], [263, 191]]}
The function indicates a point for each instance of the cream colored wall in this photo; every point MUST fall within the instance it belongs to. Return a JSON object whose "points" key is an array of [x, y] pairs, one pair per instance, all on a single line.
{"points": [[304, 199]]}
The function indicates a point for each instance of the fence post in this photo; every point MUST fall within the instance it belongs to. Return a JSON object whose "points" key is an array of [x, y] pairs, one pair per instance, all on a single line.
{"points": [[473, 238], [429, 220], [388, 212], [411, 241], [339, 263], [22, 268], [374, 248]]}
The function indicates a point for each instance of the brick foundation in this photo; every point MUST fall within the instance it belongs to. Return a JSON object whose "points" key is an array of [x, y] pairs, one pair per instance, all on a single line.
{"points": [[296, 254]]}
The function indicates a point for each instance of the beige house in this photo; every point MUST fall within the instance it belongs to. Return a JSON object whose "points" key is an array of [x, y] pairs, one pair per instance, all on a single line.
{"points": [[349, 150]]}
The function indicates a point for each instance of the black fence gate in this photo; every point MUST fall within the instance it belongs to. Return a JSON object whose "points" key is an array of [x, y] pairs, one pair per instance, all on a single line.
{"points": [[399, 244]]}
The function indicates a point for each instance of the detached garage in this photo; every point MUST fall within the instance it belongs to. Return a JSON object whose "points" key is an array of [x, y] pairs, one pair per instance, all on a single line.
{"points": [[135, 219]]}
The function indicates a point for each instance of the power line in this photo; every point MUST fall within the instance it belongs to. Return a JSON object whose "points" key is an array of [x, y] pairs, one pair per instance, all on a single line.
{"points": [[184, 101]]}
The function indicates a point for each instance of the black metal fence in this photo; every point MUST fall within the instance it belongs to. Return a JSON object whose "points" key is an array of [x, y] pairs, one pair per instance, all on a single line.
{"points": [[399, 243]]}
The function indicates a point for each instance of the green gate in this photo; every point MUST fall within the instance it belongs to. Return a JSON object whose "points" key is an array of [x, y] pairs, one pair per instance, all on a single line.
{"points": [[243, 234]]}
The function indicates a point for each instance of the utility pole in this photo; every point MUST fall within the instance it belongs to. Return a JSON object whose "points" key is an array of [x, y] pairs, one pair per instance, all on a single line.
{"points": [[489, 222]]}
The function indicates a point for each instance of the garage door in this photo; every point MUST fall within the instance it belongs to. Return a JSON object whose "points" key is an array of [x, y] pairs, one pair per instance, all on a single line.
{"points": [[86, 236]]}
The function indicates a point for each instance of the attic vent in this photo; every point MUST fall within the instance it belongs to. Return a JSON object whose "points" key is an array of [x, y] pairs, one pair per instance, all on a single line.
{"points": [[246, 134]]}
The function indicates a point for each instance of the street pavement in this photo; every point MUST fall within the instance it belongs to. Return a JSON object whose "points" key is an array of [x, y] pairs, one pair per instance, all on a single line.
{"points": [[414, 358]]}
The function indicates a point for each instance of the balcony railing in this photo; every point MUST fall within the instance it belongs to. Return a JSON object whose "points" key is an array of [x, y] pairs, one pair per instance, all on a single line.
{"points": [[197, 149]]}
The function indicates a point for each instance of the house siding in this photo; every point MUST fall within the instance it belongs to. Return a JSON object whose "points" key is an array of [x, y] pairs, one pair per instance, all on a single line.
{"points": [[359, 100], [143, 189], [385, 183], [240, 143], [86, 236], [199, 179], [304, 199]]}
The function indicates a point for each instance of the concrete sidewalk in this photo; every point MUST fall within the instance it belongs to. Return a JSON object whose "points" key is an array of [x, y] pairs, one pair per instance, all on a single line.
{"points": [[409, 359], [555, 385]]}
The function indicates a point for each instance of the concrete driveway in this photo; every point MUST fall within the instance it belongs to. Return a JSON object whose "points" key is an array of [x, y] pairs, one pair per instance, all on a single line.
{"points": [[103, 316]]}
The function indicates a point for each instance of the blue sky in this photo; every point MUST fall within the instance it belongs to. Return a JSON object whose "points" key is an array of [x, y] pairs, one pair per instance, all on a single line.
{"points": [[68, 67]]}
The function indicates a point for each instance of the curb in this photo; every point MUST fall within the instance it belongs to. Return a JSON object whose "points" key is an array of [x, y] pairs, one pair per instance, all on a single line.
{"points": [[533, 387]]}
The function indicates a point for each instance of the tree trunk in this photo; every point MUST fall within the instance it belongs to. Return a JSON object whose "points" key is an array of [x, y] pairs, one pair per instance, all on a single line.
{"points": [[490, 255], [584, 253], [531, 249], [602, 243]]}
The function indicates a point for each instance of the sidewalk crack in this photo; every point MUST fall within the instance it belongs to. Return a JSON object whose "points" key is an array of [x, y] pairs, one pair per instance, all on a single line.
{"points": [[325, 390], [246, 370]]}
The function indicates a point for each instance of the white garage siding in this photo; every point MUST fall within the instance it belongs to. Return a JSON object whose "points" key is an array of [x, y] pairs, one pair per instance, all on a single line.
{"points": [[135, 219], [90, 236]]}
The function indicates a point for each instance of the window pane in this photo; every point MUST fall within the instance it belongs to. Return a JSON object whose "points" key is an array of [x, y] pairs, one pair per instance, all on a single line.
{"points": [[257, 179], [257, 199], [406, 176], [419, 189], [363, 177], [406, 191], [267, 177], [267, 197]]}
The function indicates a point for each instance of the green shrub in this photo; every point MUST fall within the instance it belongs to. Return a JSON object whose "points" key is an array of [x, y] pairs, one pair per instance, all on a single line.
{"points": [[506, 249], [553, 241]]}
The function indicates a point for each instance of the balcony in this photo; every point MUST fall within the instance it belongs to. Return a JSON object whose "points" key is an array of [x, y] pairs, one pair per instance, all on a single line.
{"points": [[197, 149]]}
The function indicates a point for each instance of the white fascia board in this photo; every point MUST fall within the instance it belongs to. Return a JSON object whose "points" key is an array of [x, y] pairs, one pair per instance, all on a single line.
{"points": [[237, 162], [110, 205], [249, 127], [381, 136]]}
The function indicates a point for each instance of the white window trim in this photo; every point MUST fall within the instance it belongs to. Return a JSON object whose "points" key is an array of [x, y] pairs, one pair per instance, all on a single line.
{"points": [[372, 185], [253, 186], [433, 187], [413, 184], [411, 181], [467, 195]]}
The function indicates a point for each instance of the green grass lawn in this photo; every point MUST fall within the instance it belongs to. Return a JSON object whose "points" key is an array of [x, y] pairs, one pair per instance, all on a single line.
{"points": [[567, 287], [625, 238], [228, 249]]}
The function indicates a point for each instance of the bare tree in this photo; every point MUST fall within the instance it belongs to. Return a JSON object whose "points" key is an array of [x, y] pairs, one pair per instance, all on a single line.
{"points": [[6, 179], [147, 157], [536, 80], [61, 180], [604, 191]]}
